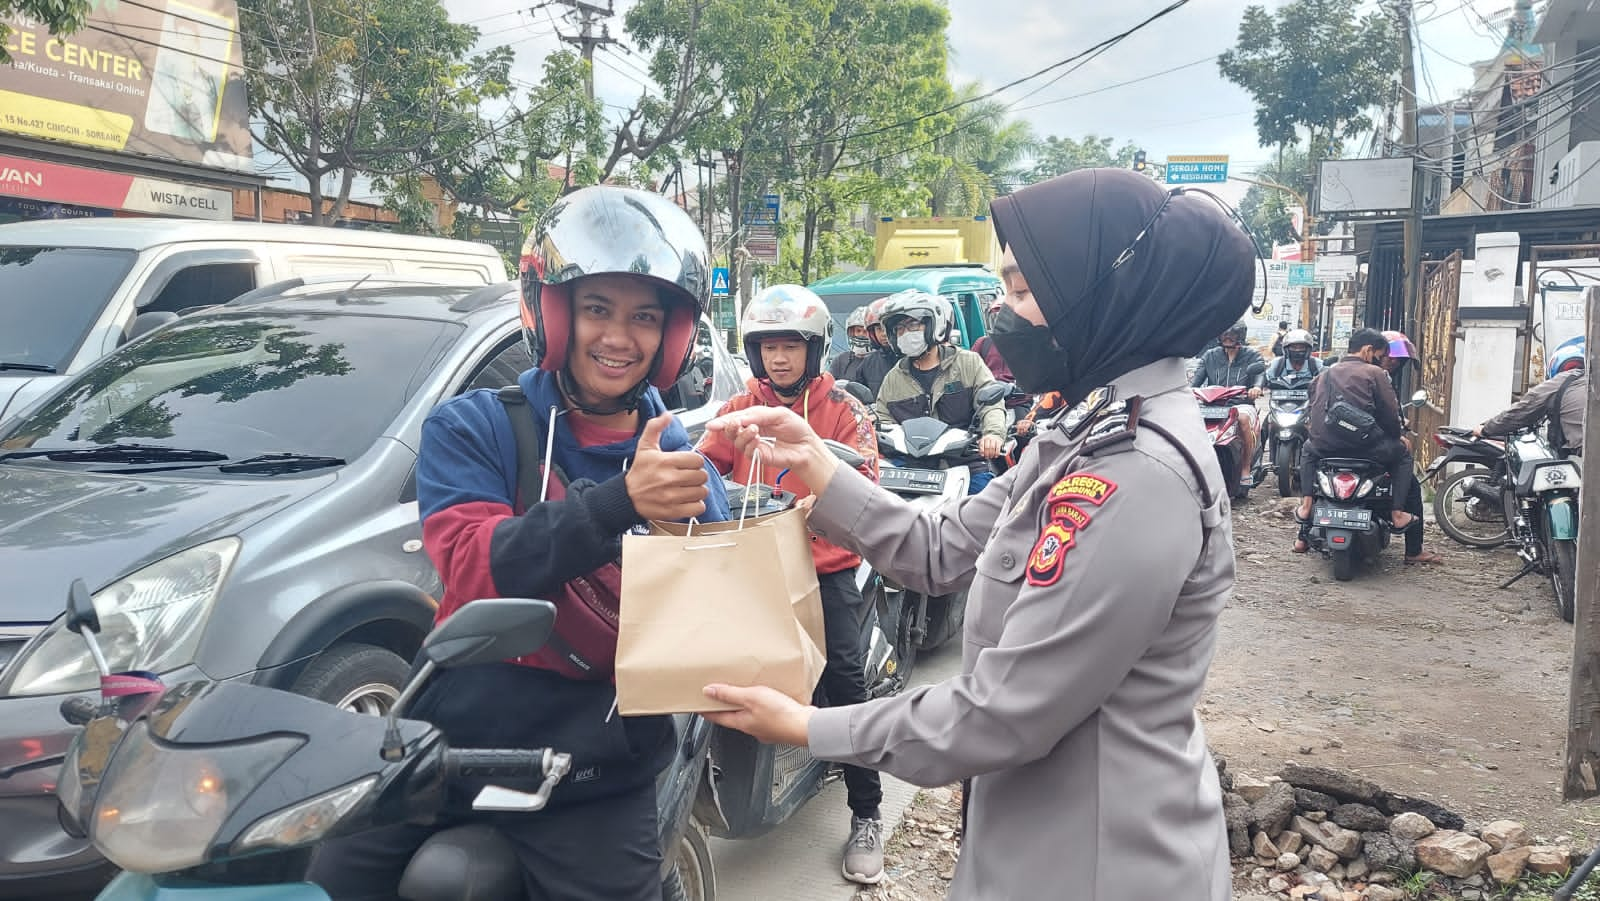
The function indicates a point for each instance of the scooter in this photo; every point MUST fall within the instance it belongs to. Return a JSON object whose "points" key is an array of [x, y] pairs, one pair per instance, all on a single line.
{"points": [[1353, 499], [1219, 407], [750, 787], [1283, 433], [928, 461], [209, 790]]}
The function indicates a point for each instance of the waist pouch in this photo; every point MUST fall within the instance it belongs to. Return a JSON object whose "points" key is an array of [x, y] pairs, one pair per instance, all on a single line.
{"points": [[509, 705], [1350, 422]]}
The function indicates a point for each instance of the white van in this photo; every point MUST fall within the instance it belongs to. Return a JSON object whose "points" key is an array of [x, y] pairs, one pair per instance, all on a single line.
{"points": [[72, 291]]}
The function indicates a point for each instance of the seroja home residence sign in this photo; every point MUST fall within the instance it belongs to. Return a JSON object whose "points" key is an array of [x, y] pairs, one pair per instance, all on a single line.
{"points": [[75, 185]]}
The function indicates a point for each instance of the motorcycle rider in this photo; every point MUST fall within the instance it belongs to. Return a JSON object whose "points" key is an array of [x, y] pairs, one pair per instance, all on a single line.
{"points": [[1229, 364], [1074, 713], [614, 281], [847, 366], [1282, 339], [936, 379], [1295, 367], [882, 358], [786, 331], [1562, 398], [1355, 385], [1401, 352]]}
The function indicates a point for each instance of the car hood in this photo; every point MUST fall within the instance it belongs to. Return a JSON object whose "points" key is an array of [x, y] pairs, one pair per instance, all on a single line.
{"points": [[57, 525]]}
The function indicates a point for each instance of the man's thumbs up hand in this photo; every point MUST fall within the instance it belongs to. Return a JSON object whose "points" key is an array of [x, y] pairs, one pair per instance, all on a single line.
{"points": [[662, 484]]}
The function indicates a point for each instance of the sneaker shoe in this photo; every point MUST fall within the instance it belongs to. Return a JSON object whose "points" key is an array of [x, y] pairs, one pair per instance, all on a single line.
{"points": [[863, 854]]}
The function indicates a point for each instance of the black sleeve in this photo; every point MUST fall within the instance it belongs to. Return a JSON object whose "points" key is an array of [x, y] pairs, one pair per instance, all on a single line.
{"points": [[550, 543]]}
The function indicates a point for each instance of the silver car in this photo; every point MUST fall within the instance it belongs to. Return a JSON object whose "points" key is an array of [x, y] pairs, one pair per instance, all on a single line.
{"points": [[237, 489]]}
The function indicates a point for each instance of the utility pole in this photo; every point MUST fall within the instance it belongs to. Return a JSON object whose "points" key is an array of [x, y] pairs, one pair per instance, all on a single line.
{"points": [[1408, 143], [587, 40], [1583, 697]]}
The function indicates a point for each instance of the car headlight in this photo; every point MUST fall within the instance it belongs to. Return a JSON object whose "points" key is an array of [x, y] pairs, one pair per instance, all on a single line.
{"points": [[149, 620], [305, 822], [160, 805]]}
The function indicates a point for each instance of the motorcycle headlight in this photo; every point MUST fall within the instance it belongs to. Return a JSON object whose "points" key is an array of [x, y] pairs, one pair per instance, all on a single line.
{"points": [[160, 805], [1289, 419], [305, 822], [149, 620]]}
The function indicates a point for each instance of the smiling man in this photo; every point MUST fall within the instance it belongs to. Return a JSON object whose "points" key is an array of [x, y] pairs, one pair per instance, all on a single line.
{"points": [[613, 284]]}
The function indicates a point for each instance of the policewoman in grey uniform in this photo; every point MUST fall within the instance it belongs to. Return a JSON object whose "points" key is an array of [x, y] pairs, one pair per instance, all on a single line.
{"points": [[1098, 564]]}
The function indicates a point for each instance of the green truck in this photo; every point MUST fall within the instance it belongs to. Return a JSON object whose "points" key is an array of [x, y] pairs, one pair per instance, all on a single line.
{"points": [[969, 288]]}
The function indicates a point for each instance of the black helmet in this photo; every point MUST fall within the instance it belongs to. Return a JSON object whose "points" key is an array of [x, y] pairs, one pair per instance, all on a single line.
{"points": [[618, 231]]}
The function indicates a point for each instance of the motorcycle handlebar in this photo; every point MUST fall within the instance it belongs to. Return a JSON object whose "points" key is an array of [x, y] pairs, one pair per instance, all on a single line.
{"points": [[498, 763]]}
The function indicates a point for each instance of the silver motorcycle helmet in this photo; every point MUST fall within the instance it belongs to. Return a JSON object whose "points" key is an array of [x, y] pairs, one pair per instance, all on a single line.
{"points": [[609, 230]]}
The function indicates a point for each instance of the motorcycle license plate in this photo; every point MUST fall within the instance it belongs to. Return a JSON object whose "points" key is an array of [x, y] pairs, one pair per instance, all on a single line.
{"points": [[1357, 518], [1210, 412], [913, 481], [1290, 394]]}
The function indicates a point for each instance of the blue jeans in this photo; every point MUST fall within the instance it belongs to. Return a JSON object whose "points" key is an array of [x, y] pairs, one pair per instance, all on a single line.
{"points": [[980, 478]]}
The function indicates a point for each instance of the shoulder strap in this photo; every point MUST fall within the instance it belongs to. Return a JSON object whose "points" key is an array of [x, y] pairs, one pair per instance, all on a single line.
{"points": [[530, 446], [1124, 425], [1211, 516]]}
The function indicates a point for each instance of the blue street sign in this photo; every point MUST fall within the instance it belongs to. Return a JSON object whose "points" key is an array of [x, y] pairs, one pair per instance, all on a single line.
{"points": [[1196, 170], [719, 282], [1302, 275]]}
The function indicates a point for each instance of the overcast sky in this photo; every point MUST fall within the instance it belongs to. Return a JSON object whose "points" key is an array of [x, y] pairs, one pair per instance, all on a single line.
{"points": [[1189, 111]]}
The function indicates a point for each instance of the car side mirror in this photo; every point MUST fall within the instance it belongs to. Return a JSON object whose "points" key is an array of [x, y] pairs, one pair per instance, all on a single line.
{"points": [[145, 323], [857, 390]]}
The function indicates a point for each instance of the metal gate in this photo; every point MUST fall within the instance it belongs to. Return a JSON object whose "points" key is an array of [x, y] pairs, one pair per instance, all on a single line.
{"points": [[1436, 344]]}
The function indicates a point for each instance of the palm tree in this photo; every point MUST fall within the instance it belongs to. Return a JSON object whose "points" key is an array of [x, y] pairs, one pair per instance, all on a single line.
{"points": [[982, 155]]}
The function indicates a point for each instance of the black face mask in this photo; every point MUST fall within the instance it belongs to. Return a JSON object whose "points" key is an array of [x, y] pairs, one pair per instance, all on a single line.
{"points": [[1031, 351], [1297, 356]]}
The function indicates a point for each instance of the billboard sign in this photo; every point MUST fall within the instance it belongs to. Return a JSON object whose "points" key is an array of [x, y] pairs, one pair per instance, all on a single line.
{"points": [[1365, 186], [761, 230], [1197, 170], [161, 79]]}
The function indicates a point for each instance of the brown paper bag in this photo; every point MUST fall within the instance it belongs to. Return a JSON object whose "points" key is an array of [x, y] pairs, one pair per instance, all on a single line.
{"points": [[717, 602]]}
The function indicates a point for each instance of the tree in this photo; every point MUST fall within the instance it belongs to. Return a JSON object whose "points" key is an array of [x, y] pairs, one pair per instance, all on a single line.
{"points": [[1267, 211], [1314, 70], [1058, 156], [364, 86], [983, 156], [61, 17]]}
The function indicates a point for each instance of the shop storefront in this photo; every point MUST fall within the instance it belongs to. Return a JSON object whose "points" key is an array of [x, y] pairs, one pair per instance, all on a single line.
{"points": [[32, 188]]}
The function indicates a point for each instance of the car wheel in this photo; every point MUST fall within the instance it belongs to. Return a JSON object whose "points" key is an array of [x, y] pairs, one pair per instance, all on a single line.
{"points": [[356, 677]]}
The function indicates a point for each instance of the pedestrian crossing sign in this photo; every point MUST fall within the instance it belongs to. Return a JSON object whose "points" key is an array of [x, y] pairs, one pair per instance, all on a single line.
{"points": [[719, 282]]}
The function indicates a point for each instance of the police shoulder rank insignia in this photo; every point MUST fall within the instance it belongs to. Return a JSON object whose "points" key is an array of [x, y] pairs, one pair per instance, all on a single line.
{"points": [[1066, 518]]}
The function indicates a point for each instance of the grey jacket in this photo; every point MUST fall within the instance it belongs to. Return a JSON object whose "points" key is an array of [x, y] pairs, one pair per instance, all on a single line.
{"points": [[1535, 404], [1081, 664], [1216, 369]]}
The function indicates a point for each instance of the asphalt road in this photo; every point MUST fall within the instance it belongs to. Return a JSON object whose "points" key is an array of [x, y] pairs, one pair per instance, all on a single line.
{"points": [[799, 861]]}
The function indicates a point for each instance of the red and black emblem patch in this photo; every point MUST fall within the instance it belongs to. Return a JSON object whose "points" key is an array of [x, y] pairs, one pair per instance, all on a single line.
{"points": [[1060, 534]]}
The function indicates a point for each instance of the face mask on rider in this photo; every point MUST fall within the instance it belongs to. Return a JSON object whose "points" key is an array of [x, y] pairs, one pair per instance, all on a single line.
{"points": [[912, 344], [1036, 362], [860, 345], [1297, 354]]}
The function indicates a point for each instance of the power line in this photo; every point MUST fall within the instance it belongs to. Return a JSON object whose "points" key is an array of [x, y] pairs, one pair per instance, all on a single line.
{"points": [[1119, 84]]}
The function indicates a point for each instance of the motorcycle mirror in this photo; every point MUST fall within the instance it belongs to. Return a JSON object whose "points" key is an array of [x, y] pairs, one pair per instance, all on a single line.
{"points": [[992, 393], [849, 455], [856, 390], [1420, 398], [81, 614], [488, 630]]}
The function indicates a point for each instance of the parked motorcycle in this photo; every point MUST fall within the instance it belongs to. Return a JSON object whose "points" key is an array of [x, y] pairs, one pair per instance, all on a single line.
{"points": [[1352, 501], [1219, 407], [1283, 433], [1529, 492], [1466, 503]]}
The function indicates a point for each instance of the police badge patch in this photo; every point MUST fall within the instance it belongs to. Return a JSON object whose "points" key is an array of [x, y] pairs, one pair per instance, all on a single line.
{"points": [[1049, 556]]}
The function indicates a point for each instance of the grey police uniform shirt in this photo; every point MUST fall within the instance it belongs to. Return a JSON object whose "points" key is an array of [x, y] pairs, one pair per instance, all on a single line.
{"points": [[1083, 659]]}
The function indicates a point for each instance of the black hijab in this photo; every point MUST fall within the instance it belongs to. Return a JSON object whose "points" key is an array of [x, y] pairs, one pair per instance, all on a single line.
{"points": [[1190, 277]]}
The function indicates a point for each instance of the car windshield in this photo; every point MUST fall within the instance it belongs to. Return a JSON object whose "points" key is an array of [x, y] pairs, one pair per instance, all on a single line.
{"points": [[241, 385], [49, 299]]}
